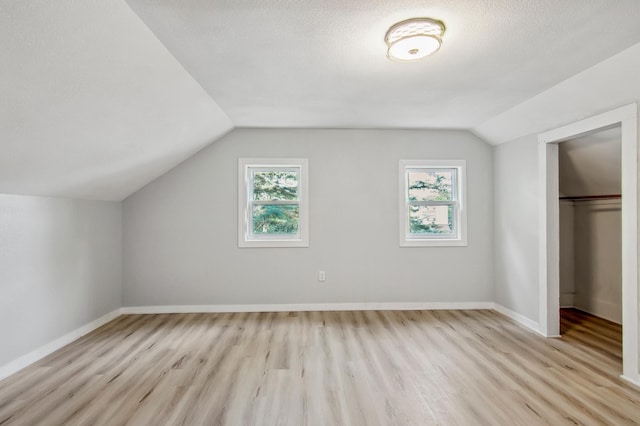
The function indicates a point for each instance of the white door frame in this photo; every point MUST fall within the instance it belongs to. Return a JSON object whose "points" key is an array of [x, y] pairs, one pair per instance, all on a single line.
{"points": [[549, 244]]}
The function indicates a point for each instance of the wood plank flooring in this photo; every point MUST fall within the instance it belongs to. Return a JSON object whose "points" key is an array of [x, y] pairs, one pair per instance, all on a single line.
{"points": [[327, 368]]}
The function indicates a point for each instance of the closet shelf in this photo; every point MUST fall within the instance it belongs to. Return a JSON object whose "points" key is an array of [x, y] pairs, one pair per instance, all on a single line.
{"points": [[593, 197]]}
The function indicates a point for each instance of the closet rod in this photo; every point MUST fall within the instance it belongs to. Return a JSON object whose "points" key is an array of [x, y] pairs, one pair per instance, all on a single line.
{"points": [[593, 197]]}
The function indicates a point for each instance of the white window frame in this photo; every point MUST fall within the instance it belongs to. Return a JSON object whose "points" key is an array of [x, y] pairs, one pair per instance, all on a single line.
{"points": [[246, 238], [459, 237]]}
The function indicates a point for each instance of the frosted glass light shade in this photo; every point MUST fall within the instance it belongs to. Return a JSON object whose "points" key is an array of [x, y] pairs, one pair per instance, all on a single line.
{"points": [[414, 39], [416, 47]]}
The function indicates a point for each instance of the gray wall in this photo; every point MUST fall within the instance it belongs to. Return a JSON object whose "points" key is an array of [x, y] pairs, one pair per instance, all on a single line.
{"points": [[180, 236], [515, 185], [60, 268]]}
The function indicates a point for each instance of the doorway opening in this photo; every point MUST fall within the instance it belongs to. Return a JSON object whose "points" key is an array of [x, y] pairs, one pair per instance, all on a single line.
{"points": [[589, 170], [549, 227]]}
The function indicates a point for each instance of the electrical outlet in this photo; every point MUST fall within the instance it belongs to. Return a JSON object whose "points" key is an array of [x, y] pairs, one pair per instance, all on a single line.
{"points": [[321, 276]]}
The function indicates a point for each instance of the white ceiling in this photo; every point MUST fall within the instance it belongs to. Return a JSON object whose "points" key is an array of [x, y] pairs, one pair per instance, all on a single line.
{"points": [[608, 85], [98, 101], [91, 104], [309, 63], [590, 165]]}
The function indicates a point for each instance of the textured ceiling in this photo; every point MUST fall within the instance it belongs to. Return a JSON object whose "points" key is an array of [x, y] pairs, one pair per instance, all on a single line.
{"points": [[305, 63], [98, 99], [92, 105], [608, 85]]}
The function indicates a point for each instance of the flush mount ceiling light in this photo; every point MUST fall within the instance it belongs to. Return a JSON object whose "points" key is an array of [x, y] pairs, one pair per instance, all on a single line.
{"points": [[414, 39]]}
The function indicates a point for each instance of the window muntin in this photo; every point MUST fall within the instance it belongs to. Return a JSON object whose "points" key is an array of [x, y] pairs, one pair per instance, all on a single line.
{"points": [[432, 203], [272, 203]]}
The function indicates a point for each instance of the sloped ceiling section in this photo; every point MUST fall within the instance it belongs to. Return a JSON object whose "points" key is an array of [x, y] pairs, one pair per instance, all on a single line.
{"points": [[92, 105], [310, 63], [590, 165], [610, 84]]}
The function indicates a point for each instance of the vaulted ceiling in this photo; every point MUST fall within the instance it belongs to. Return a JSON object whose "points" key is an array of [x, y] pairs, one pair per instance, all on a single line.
{"points": [[309, 63], [100, 97]]}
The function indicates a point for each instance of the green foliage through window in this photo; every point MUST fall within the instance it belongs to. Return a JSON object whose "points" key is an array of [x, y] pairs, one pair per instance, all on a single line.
{"points": [[275, 185], [431, 220], [275, 202], [431, 195], [275, 219]]}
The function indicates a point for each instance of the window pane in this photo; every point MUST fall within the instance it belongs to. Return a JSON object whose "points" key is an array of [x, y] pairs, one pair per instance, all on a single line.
{"points": [[275, 185], [275, 219], [431, 185], [431, 219]]}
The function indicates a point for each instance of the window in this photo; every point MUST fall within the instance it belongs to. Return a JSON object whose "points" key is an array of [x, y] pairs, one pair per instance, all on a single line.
{"points": [[272, 202], [432, 203]]}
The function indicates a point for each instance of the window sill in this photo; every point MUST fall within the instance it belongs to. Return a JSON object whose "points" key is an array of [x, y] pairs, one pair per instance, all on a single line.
{"points": [[434, 243], [273, 243]]}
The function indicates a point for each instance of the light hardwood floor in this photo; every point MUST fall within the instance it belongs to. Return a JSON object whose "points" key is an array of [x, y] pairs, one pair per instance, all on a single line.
{"points": [[327, 368]]}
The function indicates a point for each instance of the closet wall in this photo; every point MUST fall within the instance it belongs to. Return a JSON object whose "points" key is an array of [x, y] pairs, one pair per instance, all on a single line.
{"points": [[590, 229], [598, 280]]}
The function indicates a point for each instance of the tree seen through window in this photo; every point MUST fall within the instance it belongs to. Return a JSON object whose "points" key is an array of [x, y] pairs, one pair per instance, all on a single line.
{"points": [[275, 206], [431, 193]]}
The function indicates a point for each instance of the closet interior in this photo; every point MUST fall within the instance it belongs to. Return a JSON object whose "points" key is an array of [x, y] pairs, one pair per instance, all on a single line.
{"points": [[590, 225]]}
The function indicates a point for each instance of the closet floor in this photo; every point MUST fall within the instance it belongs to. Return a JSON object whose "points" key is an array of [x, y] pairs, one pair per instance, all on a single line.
{"points": [[596, 334]]}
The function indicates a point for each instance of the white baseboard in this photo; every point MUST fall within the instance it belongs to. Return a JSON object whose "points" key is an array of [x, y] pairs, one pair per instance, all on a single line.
{"points": [[33, 356], [306, 307], [519, 318], [635, 382]]}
